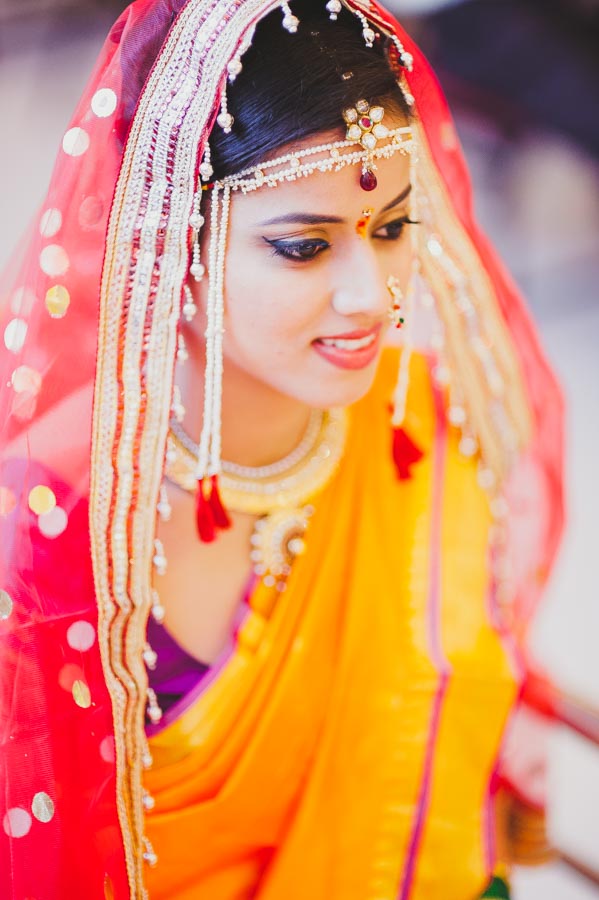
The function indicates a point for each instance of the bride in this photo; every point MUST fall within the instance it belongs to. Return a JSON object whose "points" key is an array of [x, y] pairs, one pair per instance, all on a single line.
{"points": [[281, 479]]}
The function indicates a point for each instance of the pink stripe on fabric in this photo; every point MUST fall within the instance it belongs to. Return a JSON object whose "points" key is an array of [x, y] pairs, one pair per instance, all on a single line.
{"points": [[442, 664]]}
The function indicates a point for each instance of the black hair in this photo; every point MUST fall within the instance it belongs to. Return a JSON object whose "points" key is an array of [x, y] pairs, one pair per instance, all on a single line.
{"points": [[293, 86]]}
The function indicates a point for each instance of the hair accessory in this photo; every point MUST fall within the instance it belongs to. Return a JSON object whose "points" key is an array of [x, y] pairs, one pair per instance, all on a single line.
{"points": [[234, 68], [406, 59], [367, 139], [224, 118], [290, 22], [367, 31], [206, 170], [395, 311], [365, 126], [362, 223], [333, 8]]}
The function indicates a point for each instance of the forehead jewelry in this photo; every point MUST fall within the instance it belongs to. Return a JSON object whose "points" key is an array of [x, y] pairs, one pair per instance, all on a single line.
{"points": [[365, 127], [362, 223], [367, 139]]}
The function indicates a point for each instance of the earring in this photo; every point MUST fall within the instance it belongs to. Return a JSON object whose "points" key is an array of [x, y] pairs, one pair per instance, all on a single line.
{"points": [[395, 310]]}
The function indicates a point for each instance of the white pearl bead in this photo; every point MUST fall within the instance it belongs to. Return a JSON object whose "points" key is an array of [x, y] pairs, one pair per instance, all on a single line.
{"points": [[290, 23]]}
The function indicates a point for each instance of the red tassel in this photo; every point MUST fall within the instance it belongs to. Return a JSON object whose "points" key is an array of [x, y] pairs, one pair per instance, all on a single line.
{"points": [[221, 519], [405, 453], [204, 514]]}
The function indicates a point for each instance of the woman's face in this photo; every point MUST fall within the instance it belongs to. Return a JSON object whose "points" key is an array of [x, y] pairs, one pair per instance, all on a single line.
{"points": [[306, 299]]}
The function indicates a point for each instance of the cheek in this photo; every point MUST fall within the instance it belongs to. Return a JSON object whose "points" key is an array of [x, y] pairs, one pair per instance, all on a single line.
{"points": [[264, 300]]}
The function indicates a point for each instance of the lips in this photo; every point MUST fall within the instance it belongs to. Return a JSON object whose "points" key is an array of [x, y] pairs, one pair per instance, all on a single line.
{"points": [[353, 350]]}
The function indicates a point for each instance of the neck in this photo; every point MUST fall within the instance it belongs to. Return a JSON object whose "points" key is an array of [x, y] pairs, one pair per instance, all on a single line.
{"points": [[259, 424]]}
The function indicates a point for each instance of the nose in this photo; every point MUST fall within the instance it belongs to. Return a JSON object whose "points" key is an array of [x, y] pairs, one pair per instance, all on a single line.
{"points": [[360, 284]]}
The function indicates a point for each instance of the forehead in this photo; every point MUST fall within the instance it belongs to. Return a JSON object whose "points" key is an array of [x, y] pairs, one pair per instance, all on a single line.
{"points": [[325, 193]]}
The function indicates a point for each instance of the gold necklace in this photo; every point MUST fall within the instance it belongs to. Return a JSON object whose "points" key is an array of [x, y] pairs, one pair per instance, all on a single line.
{"points": [[279, 493]]}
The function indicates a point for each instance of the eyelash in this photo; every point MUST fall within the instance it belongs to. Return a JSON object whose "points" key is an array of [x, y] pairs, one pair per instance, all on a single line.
{"points": [[306, 250]]}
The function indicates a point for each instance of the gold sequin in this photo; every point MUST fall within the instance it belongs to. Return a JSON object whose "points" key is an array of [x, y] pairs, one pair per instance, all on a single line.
{"points": [[81, 694], [104, 102], [17, 822], [15, 334], [6, 605], [81, 635], [26, 380], [42, 807], [57, 301], [8, 501], [41, 499], [50, 223], [53, 523], [54, 260], [75, 142]]}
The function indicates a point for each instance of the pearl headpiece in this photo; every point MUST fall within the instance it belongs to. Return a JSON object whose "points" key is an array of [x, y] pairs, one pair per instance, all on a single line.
{"points": [[367, 139]]}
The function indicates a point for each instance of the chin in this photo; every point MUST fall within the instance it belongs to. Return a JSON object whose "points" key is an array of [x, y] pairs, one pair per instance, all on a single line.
{"points": [[338, 387]]}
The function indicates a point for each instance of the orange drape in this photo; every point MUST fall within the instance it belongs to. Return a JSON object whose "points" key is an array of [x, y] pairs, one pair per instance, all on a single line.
{"points": [[347, 749]]}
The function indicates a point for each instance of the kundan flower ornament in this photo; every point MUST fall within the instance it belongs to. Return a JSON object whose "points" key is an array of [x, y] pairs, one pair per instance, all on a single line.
{"points": [[365, 126]]}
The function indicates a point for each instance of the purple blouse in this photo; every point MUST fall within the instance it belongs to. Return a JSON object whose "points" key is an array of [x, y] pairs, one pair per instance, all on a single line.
{"points": [[176, 672]]}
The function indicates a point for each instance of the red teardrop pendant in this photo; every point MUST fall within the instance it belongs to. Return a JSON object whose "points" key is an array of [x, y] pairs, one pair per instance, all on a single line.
{"points": [[368, 180]]}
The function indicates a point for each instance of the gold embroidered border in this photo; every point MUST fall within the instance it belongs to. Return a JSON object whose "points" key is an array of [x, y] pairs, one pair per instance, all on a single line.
{"points": [[140, 307]]}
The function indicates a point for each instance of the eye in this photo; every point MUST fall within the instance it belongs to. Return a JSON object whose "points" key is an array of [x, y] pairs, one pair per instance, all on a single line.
{"points": [[302, 250], [393, 230]]}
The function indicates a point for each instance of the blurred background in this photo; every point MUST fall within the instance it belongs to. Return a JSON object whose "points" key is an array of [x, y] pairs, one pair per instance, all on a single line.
{"points": [[522, 77]]}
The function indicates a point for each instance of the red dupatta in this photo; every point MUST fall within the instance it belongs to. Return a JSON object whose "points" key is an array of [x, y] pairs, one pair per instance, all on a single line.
{"points": [[89, 326]]}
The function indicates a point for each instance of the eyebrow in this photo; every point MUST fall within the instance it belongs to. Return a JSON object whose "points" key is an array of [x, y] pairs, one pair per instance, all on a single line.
{"points": [[301, 218]]}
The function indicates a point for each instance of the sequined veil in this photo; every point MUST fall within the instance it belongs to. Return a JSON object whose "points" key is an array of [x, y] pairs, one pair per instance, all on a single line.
{"points": [[90, 309]]}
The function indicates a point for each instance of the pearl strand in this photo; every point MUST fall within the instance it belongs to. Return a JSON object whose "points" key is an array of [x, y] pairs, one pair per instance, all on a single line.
{"points": [[205, 438], [219, 311]]}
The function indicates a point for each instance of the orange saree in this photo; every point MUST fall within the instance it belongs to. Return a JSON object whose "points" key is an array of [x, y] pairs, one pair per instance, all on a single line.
{"points": [[350, 743]]}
